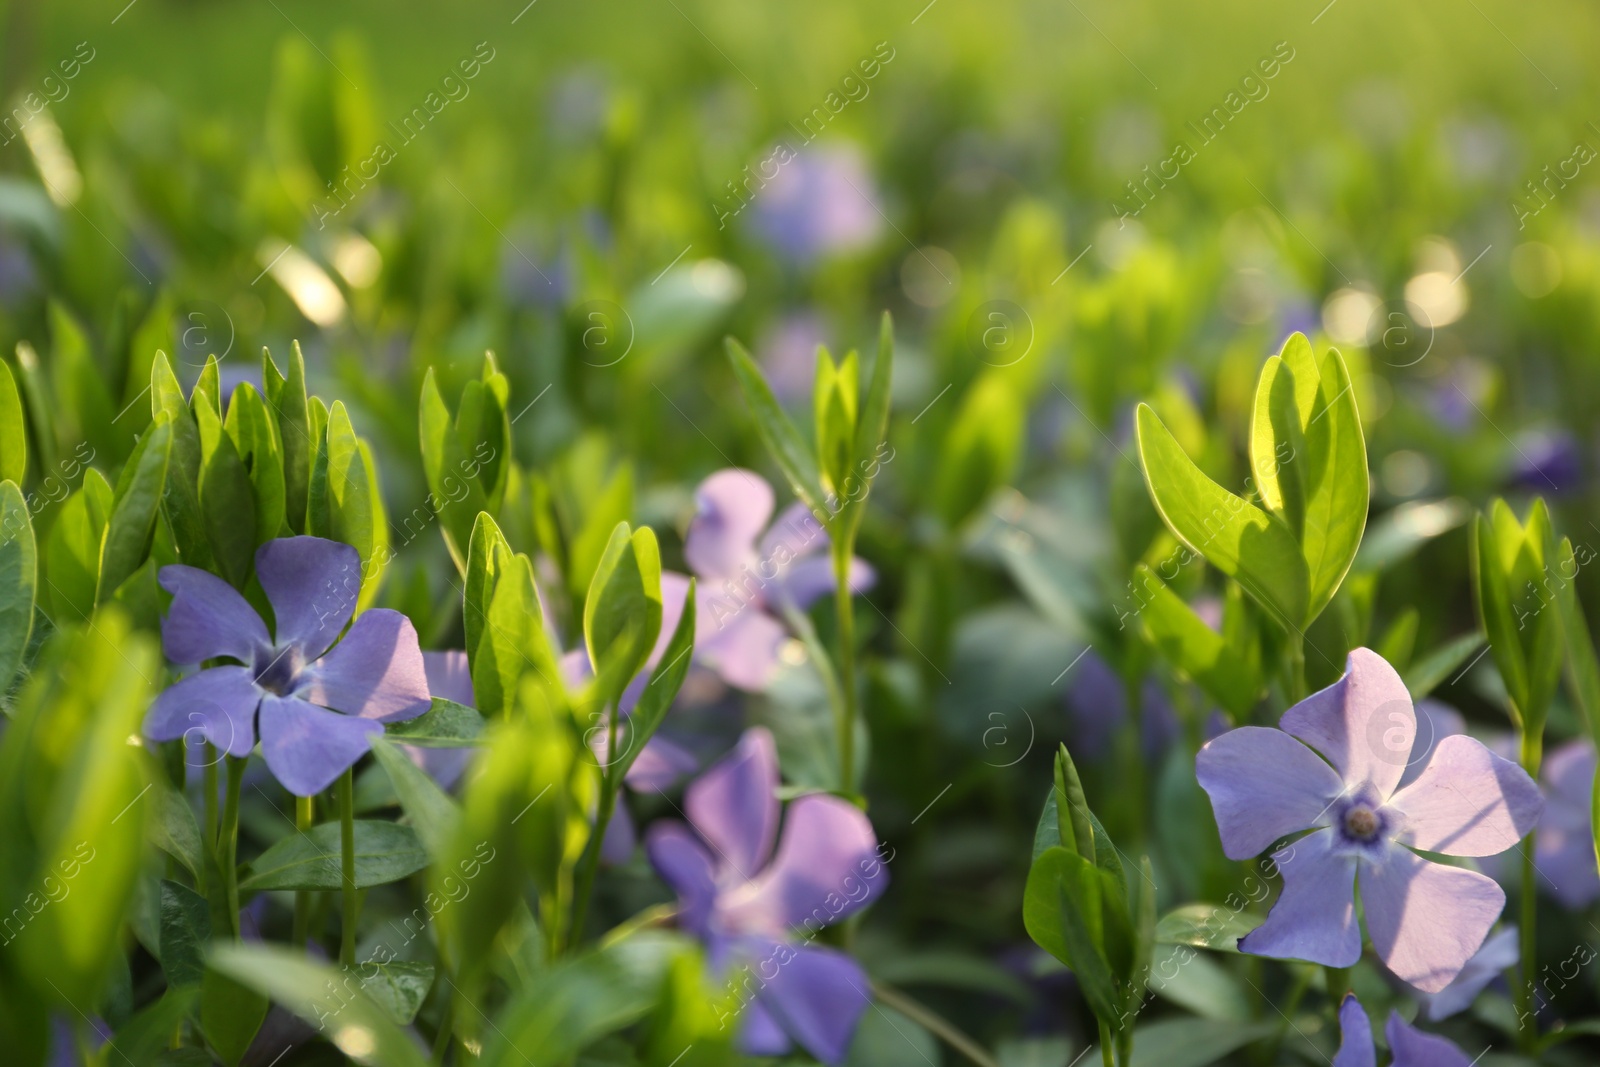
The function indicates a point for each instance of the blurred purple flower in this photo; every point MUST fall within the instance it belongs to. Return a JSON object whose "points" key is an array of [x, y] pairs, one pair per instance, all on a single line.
{"points": [[789, 354], [1497, 955], [1564, 850], [449, 678], [373, 676], [1411, 1047], [1098, 701], [822, 202], [1547, 461], [744, 889], [1425, 919], [745, 584]]}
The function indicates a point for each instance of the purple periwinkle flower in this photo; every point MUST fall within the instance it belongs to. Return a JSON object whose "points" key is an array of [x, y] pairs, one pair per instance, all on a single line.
{"points": [[1410, 1046], [1425, 919], [748, 578], [1498, 954], [449, 678], [756, 897], [820, 202], [1564, 851], [282, 687]]}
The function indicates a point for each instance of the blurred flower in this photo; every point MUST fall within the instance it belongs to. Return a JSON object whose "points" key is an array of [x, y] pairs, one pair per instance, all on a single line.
{"points": [[1425, 919], [1459, 397], [1098, 702], [789, 354], [449, 678], [1547, 461], [820, 203], [18, 278], [1564, 851], [737, 631], [1498, 954], [1410, 1046], [374, 675], [746, 899]]}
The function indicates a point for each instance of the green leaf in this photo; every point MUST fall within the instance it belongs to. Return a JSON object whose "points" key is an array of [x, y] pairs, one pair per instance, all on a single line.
{"points": [[13, 429], [385, 852], [660, 691], [175, 831], [36, 395], [355, 511], [1199, 984], [286, 396], [180, 501], [622, 615], [1143, 915], [1239, 539], [185, 930], [512, 642], [227, 499], [135, 505], [1583, 670], [321, 995], [145, 1038], [72, 549], [872, 435], [1516, 604], [1425, 675], [255, 440], [613, 504], [1338, 492], [398, 987], [1392, 538], [789, 450], [1212, 926], [207, 389], [488, 556], [19, 581], [1193, 1042], [431, 811], [1194, 648], [1065, 911], [82, 398], [835, 392], [455, 490], [982, 448], [445, 724]]}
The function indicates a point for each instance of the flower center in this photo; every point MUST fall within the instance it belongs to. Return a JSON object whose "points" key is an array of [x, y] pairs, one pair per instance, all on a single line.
{"points": [[278, 669], [1361, 822]]}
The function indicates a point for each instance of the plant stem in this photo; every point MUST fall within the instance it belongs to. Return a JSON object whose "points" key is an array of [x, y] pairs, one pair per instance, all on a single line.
{"points": [[347, 845], [1107, 1053], [229, 845], [591, 853], [843, 553], [441, 1041], [302, 897], [1338, 984], [934, 1023], [1297, 667], [208, 787], [1527, 1025]]}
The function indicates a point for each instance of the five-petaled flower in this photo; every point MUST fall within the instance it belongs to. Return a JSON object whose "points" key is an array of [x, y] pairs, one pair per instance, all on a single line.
{"points": [[1425, 919], [282, 686], [748, 578], [744, 890], [1410, 1046]]}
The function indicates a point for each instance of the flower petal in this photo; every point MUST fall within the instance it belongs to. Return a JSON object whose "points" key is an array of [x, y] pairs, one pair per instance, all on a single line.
{"points": [[659, 767], [443, 765], [1263, 784], [1425, 919], [744, 651], [1315, 916], [219, 703], [1468, 802], [731, 508], [1565, 856], [312, 584], [802, 582], [1413, 1048], [1435, 722], [1497, 955], [759, 1032], [1363, 723], [616, 848], [376, 672], [794, 534], [826, 868], [818, 997], [208, 617], [307, 747], [449, 676], [1356, 1047], [686, 866], [734, 805]]}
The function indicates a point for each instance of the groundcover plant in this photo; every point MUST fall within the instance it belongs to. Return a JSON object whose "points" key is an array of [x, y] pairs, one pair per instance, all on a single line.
{"points": [[700, 534]]}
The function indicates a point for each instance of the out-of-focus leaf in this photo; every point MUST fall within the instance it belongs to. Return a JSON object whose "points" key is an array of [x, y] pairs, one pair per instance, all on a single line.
{"points": [[355, 512], [355, 1022], [398, 987], [79, 385], [36, 395], [982, 448], [135, 505], [1425, 675], [385, 852], [175, 830], [610, 506], [1401, 531], [789, 450], [1198, 984], [19, 581], [1194, 648], [72, 550], [1212, 926], [1238, 538], [661, 690], [1192, 1042], [286, 397], [432, 813], [445, 724], [227, 499], [1064, 910], [255, 439], [13, 429], [622, 615]]}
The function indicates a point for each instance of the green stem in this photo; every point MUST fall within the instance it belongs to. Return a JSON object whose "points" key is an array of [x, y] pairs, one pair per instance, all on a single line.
{"points": [[303, 816], [1107, 1053], [1297, 667], [229, 845], [843, 552], [441, 1041], [347, 845], [1338, 984], [934, 1023], [1527, 1026], [591, 853], [209, 789]]}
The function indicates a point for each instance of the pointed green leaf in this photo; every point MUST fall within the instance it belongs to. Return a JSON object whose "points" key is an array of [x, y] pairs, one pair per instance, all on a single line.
{"points": [[1338, 492], [231, 1014], [13, 429], [254, 433], [385, 852], [134, 508], [661, 690], [72, 550], [622, 615], [789, 450], [1194, 648], [227, 499], [444, 725], [180, 502], [488, 555], [1064, 912], [433, 814], [185, 930], [292, 410], [1238, 538], [19, 581]]}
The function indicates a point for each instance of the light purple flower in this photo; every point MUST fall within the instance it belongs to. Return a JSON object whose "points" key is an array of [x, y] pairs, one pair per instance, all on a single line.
{"points": [[822, 202], [292, 678], [1564, 851], [449, 678], [1098, 701], [745, 889], [789, 354], [1425, 919], [1410, 1046], [1498, 954], [747, 577]]}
